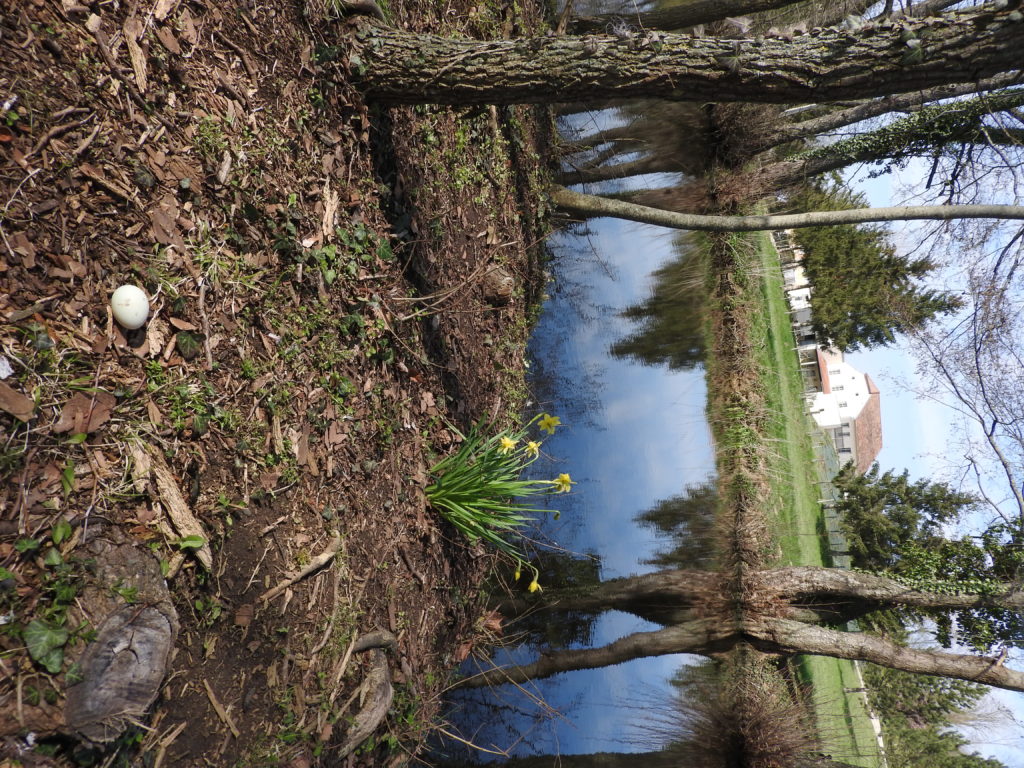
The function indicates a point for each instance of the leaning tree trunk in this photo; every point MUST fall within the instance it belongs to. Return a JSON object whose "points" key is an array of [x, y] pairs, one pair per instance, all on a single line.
{"points": [[662, 597], [808, 584], [767, 634], [925, 130], [677, 17], [400, 67], [589, 206], [650, 163], [773, 635]]}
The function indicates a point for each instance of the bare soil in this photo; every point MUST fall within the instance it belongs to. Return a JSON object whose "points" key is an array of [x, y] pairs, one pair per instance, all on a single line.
{"points": [[335, 289]]}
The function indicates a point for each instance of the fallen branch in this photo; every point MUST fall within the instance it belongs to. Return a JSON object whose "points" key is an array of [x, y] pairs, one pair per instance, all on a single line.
{"points": [[315, 564]]}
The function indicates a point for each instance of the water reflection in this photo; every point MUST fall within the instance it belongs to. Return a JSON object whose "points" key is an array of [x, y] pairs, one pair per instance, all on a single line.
{"points": [[669, 323], [638, 443]]}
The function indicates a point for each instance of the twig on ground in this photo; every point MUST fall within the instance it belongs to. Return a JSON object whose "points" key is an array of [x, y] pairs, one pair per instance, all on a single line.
{"points": [[221, 712], [249, 68], [57, 130], [206, 323], [315, 564]]}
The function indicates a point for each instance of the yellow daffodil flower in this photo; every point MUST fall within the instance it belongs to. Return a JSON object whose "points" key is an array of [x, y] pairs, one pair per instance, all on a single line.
{"points": [[535, 587], [532, 448], [507, 444], [548, 423], [517, 575], [563, 483]]}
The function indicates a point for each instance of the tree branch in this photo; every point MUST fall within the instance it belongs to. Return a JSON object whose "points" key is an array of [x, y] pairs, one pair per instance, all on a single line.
{"points": [[694, 637], [577, 203]]}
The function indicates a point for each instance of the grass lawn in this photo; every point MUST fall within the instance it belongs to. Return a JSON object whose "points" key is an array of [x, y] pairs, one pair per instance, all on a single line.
{"points": [[842, 718]]}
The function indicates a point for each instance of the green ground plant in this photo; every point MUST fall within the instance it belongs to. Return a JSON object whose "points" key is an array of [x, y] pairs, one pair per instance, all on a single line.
{"points": [[477, 489]]}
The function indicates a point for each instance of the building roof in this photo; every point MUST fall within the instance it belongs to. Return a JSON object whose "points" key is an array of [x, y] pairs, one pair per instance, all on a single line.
{"points": [[826, 387], [868, 429]]}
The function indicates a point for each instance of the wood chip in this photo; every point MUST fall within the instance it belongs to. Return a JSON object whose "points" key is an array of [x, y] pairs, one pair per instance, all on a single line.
{"points": [[173, 501], [163, 8], [133, 31], [95, 174]]}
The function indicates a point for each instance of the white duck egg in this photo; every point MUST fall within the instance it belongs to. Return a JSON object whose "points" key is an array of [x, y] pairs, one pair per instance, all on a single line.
{"points": [[130, 306]]}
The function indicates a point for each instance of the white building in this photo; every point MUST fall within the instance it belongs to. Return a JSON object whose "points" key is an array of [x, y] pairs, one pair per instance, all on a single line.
{"points": [[848, 409]]}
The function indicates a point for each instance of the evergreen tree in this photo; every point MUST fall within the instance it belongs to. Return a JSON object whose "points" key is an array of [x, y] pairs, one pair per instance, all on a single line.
{"points": [[915, 712], [895, 525], [883, 514], [864, 293]]}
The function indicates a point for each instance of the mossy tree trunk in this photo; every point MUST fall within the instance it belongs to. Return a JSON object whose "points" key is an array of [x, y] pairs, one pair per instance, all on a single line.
{"points": [[398, 67]]}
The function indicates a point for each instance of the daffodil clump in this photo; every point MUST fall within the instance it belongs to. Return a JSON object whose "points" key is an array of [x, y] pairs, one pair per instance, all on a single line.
{"points": [[479, 489]]}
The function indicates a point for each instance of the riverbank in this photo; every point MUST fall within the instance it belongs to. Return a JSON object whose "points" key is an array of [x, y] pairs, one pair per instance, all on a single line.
{"points": [[773, 436]]}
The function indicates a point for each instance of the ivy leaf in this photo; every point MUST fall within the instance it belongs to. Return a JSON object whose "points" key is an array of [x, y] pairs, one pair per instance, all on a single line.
{"points": [[188, 344], [45, 644]]}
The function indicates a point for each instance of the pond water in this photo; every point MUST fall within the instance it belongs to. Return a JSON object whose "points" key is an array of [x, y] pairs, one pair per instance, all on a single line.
{"points": [[634, 436]]}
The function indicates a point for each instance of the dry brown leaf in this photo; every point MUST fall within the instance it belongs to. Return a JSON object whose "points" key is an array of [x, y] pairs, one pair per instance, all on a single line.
{"points": [[493, 621], [182, 325], [85, 413], [15, 403], [155, 416], [165, 230], [462, 652]]}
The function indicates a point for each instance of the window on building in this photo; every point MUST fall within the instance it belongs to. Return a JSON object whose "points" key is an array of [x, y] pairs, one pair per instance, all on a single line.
{"points": [[833, 372], [842, 403], [838, 388]]}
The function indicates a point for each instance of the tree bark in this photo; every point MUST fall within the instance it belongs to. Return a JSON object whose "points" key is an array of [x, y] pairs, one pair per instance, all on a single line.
{"points": [[586, 206], [704, 637], [398, 67], [773, 635]]}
